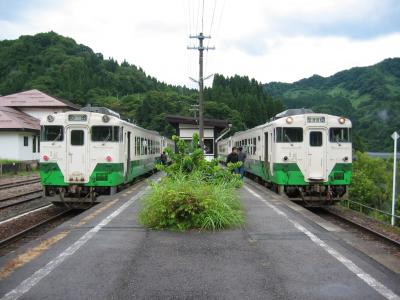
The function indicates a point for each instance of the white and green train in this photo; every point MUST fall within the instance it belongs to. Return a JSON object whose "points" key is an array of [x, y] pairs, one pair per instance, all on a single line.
{"points": [[306, 155], [93, 151]]}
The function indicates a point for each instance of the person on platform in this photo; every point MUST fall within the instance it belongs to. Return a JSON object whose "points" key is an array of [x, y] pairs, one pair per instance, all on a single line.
{"points": [[233, 158], [242, 158], [163, 158]]}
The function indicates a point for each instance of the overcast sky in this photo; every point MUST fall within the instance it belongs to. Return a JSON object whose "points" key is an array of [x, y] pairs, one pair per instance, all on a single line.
{"points": [[270, 40]]}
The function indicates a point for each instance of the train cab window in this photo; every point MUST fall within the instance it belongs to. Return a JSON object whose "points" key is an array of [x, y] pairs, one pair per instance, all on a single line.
{"points": [[77, 137], [340, 135], [315, 138], [105, 134], [51, 133], [289, 134]]}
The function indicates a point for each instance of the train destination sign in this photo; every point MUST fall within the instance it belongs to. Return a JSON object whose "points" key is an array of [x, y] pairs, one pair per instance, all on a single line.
{"points": [[316, 119], [77, 118]]}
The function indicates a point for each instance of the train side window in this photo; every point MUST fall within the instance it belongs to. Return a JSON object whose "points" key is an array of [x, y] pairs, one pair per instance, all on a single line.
{"points": [[77, 137], [254, 145], [52, 133], [315, 138]]}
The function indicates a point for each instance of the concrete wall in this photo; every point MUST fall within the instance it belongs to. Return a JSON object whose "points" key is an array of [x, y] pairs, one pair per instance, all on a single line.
{"points": [[12, 146], [39, 112]]}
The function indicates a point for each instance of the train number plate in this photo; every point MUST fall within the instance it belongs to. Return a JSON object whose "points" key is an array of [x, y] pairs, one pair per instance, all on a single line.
{"points": [[315, 119]]}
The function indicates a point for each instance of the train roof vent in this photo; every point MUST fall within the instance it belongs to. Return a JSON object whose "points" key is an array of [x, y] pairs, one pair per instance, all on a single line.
{"points": [[101, 110], [293, 112]]}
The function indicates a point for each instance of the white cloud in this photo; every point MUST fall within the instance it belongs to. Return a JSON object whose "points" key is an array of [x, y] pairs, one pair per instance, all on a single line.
{"points": [[255, 38]]}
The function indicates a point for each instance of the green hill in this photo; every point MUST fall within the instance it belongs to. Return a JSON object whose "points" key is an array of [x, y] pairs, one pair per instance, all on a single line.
{"points": [[60, 67], [369, 96]]}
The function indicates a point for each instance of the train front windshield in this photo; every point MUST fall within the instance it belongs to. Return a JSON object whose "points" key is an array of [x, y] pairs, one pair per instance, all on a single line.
{"points": [[51, 133], [105, 133], [340, 135]]}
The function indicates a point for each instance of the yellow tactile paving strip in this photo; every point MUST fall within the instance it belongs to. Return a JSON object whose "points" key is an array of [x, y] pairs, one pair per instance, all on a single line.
{"points": [[36, 251]]}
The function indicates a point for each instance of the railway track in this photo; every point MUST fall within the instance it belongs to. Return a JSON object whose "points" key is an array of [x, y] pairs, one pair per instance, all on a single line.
{"points": [[358, 225], [16, 200], [324, 211], [34, 230], [18, 183]]}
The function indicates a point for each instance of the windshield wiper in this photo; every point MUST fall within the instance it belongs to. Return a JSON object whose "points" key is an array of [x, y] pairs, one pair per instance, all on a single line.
{"points": [[287, 137], [57, 137], [107, 137]]}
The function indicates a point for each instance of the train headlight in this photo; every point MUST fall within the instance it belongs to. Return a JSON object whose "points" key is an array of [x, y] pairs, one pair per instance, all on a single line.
{"points": [[105, 118], [45, 158], [342, 120], [345, 158], [50, 118], [285, 158], [289, 120], [108, 158]]}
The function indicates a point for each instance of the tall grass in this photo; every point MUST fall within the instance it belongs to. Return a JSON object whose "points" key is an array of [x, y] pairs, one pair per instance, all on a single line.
{"points": [[186, 201]]}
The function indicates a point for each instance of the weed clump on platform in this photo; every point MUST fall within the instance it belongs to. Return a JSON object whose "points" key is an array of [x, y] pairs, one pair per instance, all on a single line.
{"points": [[194, 194]]}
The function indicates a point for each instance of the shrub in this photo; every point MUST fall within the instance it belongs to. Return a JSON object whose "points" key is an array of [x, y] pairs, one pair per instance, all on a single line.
{"points": [[194, 194], [186, 202]]}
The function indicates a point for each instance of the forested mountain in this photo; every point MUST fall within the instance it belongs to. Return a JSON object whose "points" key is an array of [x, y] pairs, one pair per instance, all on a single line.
{"points": [[57, 65], [369, 96], [60, 67]]}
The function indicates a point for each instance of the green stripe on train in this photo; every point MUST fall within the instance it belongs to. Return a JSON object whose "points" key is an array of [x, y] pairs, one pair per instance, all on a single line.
{"points": [[104, 174], [290, 174]]}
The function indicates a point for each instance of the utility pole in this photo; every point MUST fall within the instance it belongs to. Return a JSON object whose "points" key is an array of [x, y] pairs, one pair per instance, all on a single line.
{"points": [[395, 137], [201, 48]]}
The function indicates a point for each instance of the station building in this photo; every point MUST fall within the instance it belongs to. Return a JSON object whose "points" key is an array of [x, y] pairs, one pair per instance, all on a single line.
{"points": [[20, 116], [186, 126]]}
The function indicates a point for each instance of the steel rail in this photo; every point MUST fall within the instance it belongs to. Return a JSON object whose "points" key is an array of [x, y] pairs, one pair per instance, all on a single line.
{"points": [[366, 228], [7, 241], [18, 183], [28, 197]]}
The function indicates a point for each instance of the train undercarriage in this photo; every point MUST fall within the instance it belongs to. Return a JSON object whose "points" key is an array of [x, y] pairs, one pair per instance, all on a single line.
{"points": [[312, 195]]}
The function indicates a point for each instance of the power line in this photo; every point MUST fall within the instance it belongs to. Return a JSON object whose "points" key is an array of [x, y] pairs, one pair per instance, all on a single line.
{"points": [[213, 14], [202, 18]]}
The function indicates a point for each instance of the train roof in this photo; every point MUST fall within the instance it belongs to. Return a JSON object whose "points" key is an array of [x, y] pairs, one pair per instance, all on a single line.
{"points": [[99, 113], [290, 113], [101, 110], [294, 112]]}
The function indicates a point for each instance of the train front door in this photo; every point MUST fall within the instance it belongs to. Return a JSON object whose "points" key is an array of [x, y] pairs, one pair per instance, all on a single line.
{"points": [[316, 154], [77, 155]]}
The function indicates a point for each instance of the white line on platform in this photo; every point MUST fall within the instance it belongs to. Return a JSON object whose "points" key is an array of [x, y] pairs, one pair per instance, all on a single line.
{"points": [[34, 279], [24, 214], [368, 279]]}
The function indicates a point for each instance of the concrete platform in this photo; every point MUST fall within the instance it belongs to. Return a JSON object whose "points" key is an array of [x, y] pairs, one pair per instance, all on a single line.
{"points": [[280, 254]]}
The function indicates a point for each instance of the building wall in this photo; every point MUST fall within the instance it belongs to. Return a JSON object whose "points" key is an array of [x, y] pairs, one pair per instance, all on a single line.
{"points": [[187, 132], [12, 145], [41, 112]]}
